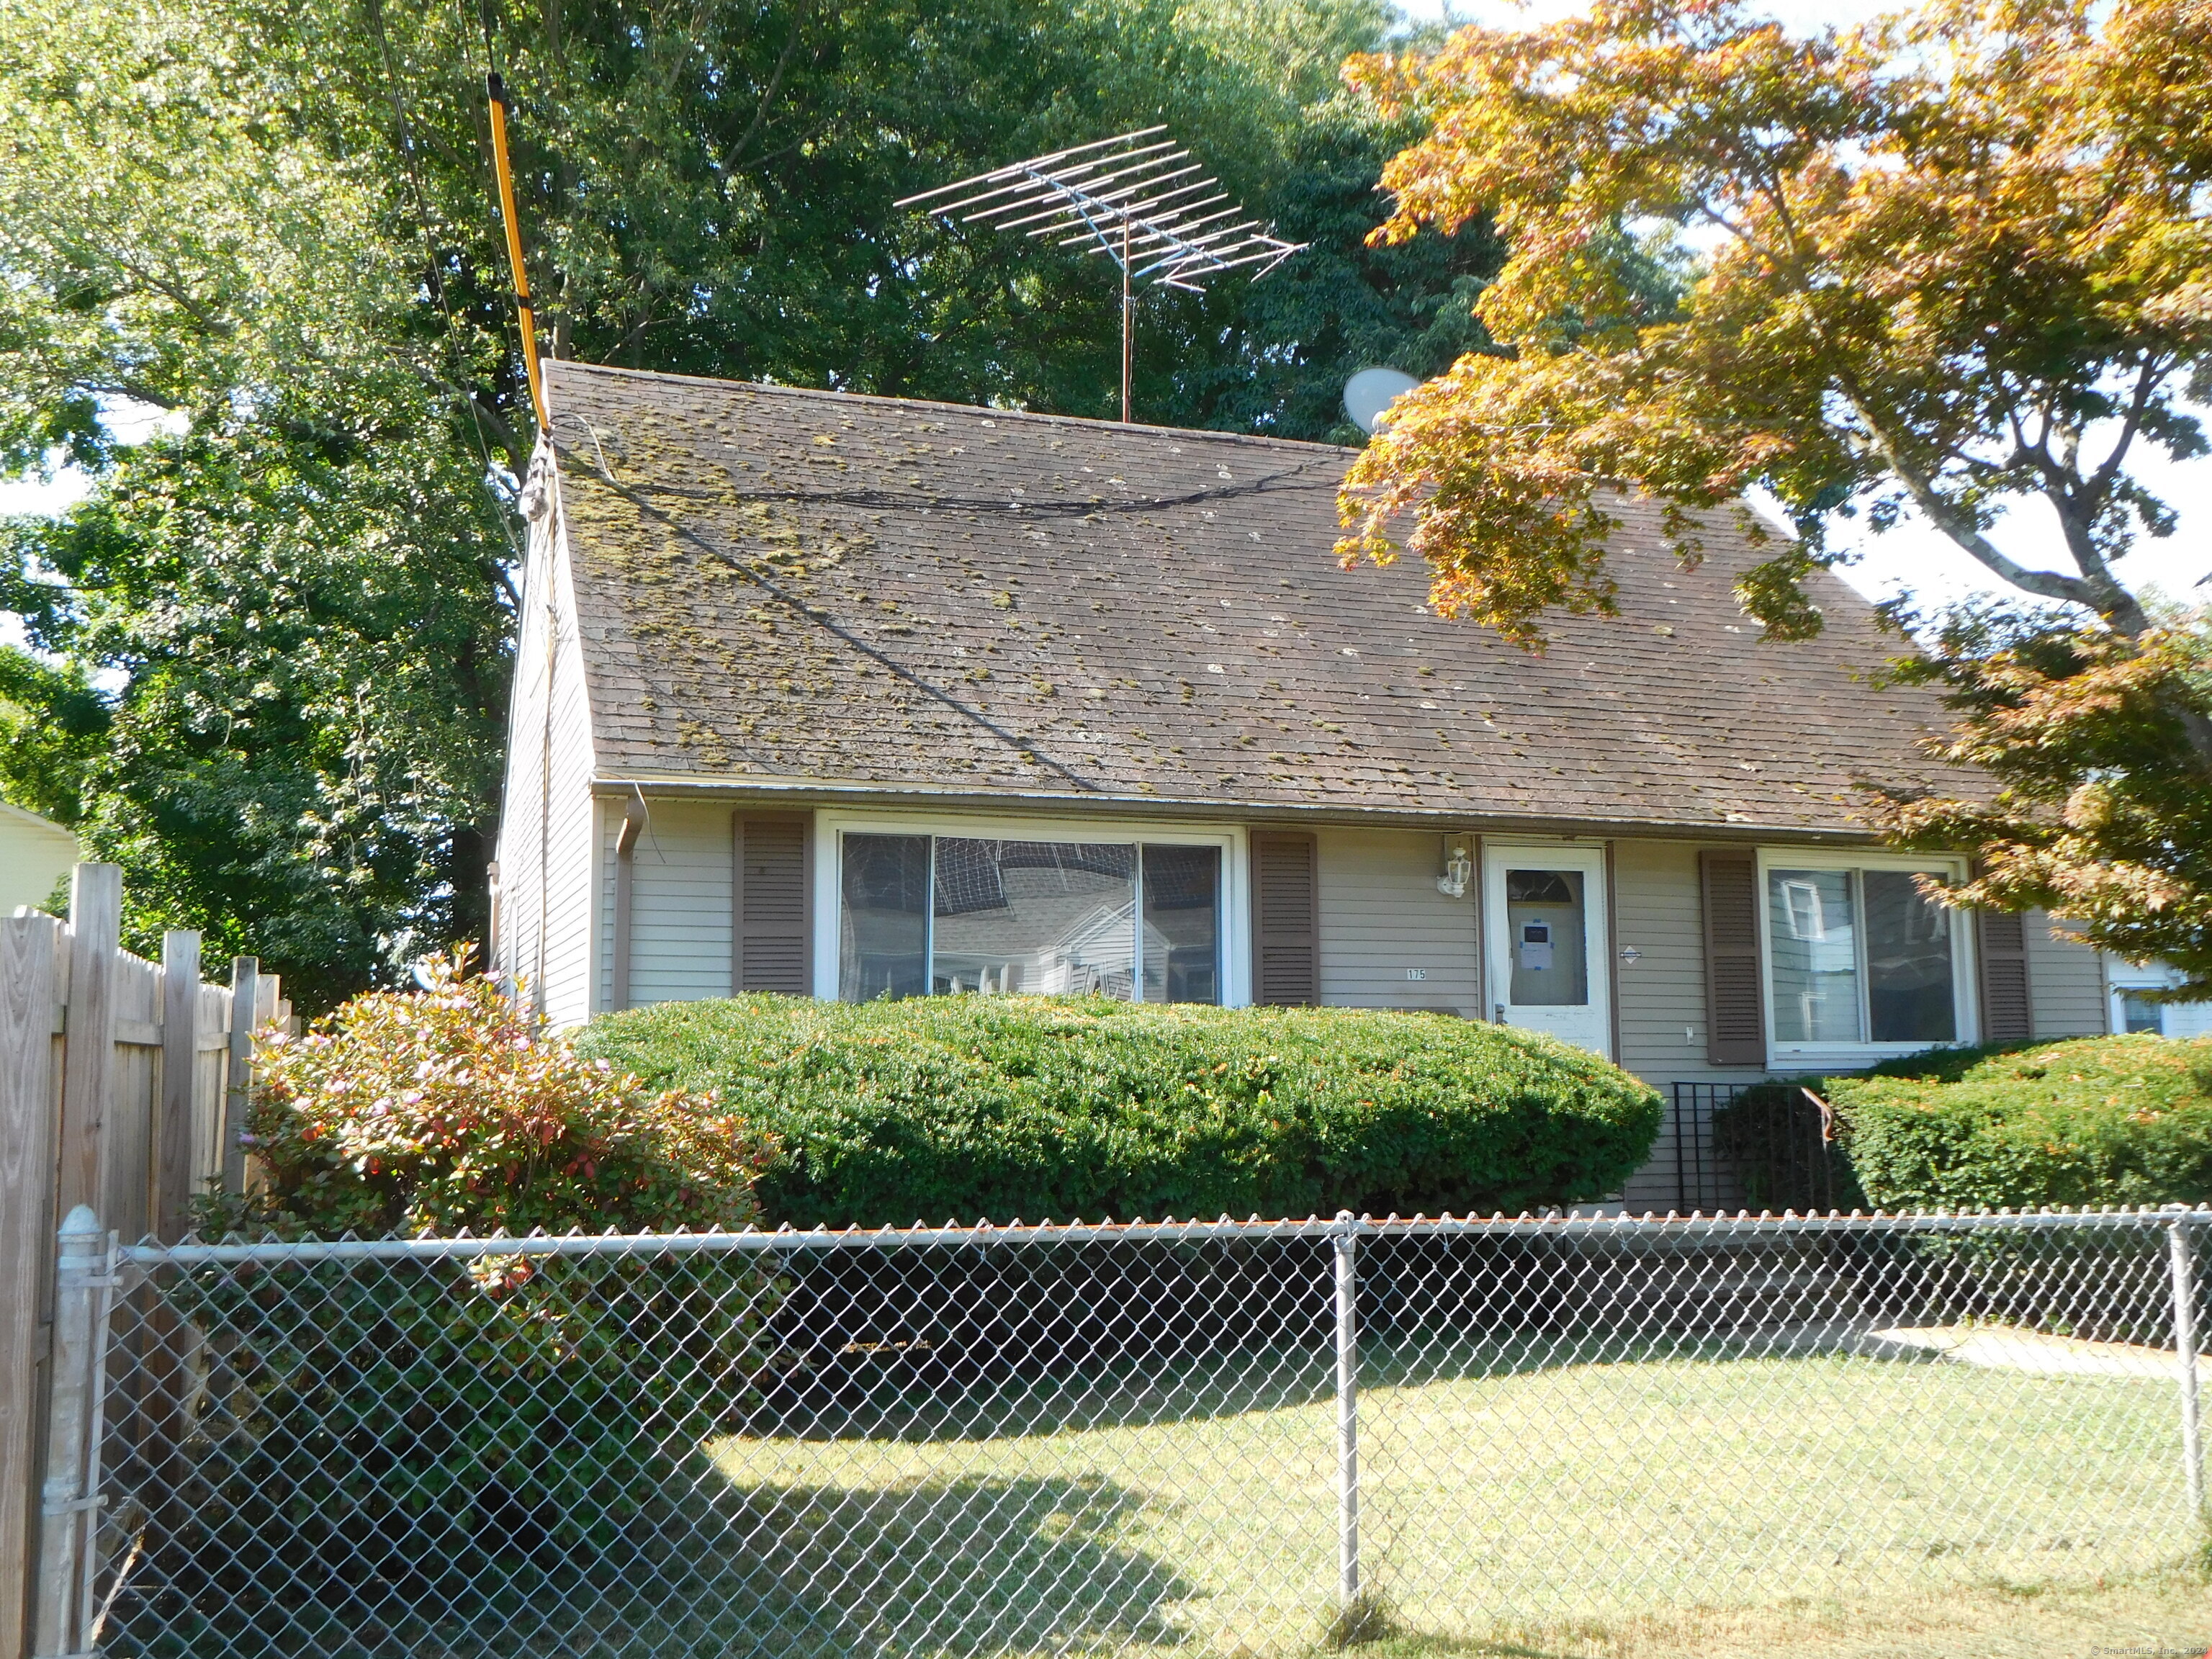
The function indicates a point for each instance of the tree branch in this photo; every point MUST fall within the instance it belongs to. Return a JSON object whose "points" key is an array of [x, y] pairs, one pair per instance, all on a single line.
{"points": [[2043, 584], [775, 85]]}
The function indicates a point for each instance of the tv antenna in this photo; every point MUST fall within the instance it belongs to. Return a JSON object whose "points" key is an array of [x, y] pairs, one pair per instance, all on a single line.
{"points": [[1137, 198]]}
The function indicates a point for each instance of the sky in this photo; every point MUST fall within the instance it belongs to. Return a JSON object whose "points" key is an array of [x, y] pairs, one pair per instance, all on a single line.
{"points": [[1910, 556]]}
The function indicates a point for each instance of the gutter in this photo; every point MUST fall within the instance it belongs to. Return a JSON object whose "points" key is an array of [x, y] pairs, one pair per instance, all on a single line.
{"points": [[1060, 804]]}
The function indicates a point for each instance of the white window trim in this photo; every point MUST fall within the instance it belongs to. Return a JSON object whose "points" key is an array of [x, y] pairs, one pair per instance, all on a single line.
{"points": [[1818, 1056], [830, 829]]}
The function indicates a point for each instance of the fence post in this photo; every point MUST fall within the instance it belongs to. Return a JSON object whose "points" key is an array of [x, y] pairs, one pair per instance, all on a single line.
{"points": [[71, 1495], [2185, 1345], [1347, 1410]]}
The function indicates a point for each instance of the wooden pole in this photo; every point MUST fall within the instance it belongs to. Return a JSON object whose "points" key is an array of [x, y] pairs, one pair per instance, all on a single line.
{"points": [[523, 310]]}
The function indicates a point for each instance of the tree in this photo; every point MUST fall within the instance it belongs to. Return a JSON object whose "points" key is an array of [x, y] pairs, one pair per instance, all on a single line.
{"points": [[275, 640], [275, 657], [1956, 260]]}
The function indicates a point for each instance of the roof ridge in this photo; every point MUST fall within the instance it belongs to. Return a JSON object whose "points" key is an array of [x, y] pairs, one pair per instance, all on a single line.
{"points": [[1132, 428]]}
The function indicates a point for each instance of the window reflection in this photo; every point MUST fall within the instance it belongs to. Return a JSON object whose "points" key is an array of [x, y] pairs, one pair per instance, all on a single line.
{"points": [[950, 914], [1182, 945], [884, 922], [1049, 918], [1909, 994], [1858, 956], [1812, 924]]}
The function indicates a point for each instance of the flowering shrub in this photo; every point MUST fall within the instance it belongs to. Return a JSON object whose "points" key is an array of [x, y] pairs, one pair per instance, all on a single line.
{"points": [[452, 1107]]}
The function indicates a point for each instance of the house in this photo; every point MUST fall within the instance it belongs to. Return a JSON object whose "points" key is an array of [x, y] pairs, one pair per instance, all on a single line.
{"points": [[35, 856], [852, 696]]}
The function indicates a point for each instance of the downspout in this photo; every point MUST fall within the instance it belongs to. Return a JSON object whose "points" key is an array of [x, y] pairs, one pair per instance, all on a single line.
{"points": [[635, 821]]}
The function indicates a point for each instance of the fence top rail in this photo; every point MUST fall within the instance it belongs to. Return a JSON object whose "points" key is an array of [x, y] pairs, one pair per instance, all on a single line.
{"points": [[193, 1253]]}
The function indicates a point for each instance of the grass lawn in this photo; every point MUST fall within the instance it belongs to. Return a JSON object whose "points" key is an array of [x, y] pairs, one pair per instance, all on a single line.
{"points": [[1833, 1503]]}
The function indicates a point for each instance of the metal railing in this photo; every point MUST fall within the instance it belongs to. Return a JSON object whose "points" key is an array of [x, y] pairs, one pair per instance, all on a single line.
{"points": [[1765, 1146], [1254, 1438]]}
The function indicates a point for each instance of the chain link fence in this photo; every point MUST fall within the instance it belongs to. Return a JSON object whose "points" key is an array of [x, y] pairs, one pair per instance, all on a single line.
{"points": [[1244, 1438]]}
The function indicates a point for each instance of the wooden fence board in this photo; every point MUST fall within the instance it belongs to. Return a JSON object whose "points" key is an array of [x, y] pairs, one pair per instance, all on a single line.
{"points": [[28, 1007], [173, 1162], [88, 1044], [128, 1115]]}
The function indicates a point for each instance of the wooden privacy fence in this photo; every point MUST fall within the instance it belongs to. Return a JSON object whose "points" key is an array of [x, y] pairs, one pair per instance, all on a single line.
{"points": [[122, 1085]]}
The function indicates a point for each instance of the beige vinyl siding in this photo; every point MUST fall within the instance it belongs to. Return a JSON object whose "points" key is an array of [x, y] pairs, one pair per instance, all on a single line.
{"points": [[548, 830], [2065, 982], [681, 905], [1661, 995], [1381, 914]]}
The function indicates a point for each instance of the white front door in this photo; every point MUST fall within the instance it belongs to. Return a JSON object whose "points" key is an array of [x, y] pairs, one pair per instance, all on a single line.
{"points": [[1547, 945]]}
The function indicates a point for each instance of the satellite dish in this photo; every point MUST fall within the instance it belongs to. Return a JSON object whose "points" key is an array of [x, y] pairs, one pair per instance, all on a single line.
{"points": [[1369, 393]]}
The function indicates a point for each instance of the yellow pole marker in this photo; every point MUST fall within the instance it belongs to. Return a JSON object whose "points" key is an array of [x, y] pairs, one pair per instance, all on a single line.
{"points": [[498, 91]]}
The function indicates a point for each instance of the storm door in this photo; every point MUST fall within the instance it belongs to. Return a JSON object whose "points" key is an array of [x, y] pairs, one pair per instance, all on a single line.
{"points": [[1546, 941]]}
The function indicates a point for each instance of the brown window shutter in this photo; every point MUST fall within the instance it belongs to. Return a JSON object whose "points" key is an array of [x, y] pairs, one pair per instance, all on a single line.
{"points": [[771, 936], [1286, 920], [1735, 1017], [2008, 1016]]}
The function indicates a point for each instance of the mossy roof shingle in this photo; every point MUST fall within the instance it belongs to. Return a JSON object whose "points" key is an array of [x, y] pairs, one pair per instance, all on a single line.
{"points": [[793, 588]]}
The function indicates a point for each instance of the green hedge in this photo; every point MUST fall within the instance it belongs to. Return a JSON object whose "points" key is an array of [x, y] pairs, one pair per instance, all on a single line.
{"points": [[1005, 1107], [2092, 1121]]}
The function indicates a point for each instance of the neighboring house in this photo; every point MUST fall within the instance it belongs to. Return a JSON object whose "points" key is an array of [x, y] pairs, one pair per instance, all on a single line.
{"points": [[854, 696], [2131, 1011], [35, 855]]}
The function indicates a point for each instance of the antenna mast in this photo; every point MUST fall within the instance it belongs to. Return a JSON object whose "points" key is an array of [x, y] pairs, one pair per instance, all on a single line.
{"points": [[1133, 198]]}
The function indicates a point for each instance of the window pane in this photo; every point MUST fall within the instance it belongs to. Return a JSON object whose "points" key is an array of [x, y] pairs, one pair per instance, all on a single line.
{"points": [[2139, 1013], [1909, 995], [1050, 918], [882, 928], [1544, 934], [1815, 971], [1182, 924]]}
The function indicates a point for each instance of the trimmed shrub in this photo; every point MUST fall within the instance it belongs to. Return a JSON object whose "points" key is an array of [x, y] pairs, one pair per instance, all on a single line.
{"points": [[450, 1107], [2091, 1120], [1003, 1107]]}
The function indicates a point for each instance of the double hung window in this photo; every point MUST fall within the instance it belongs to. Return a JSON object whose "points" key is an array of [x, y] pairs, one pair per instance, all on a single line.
{"points": [[940, 915], [1858, 956]]}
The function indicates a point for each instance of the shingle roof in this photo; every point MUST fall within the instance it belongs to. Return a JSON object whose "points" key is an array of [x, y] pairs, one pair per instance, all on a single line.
{"points": [[779, 587]]}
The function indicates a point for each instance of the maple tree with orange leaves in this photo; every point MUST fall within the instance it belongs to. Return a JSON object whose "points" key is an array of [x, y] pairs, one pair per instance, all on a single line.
{"points": [[1957, 261]]}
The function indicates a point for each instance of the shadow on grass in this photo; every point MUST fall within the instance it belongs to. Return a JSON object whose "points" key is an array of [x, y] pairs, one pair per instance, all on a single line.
{"points": [[942, 1568]]}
